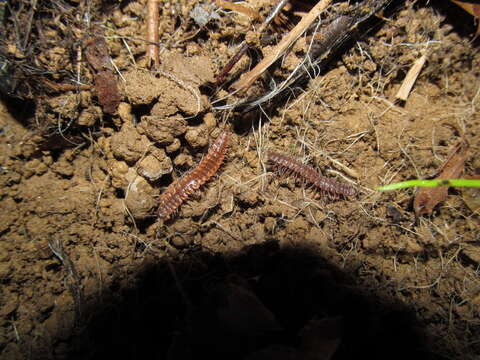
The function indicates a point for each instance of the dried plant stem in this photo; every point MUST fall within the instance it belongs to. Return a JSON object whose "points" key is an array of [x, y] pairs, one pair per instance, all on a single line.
{"points": [[244, 46], [152, 34], [237, 8], [243, 49], [247, 79], [66, 87]]}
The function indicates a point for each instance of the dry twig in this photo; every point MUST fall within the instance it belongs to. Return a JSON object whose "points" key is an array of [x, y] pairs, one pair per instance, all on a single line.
{"points": [[152, 34]]}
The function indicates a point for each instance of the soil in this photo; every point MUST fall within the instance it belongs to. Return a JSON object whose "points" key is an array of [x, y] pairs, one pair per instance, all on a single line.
{"points": [[255, 265]]}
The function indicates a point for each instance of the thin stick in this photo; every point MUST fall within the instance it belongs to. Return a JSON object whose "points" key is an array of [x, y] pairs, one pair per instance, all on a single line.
{"points": [[79, 63], [65, 87], [152, 33], [243, 49], [247, 79]]}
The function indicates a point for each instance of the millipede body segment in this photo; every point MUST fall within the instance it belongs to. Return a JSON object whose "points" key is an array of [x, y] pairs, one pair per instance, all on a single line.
{"points": [[181, 189], [310, 175]]}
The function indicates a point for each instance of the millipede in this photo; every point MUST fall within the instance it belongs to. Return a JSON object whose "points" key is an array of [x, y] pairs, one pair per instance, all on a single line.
{"points": [[177, 192], [309, 175]]}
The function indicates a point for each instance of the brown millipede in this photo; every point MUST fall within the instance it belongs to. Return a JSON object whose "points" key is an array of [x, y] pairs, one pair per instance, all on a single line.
{"points": [[310, 175], [181, 189]]}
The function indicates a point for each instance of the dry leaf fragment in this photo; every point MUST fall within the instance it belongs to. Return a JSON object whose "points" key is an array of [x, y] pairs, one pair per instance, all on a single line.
{"points": [[472, 9], [107, 91], [427, 198], [106, 87]]}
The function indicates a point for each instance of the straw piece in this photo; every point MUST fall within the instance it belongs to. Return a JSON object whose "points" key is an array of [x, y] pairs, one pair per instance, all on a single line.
{"points": [[410, 79]]}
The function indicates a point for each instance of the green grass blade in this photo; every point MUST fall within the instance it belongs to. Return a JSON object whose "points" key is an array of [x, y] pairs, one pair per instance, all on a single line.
{"points": [[431, 183]]}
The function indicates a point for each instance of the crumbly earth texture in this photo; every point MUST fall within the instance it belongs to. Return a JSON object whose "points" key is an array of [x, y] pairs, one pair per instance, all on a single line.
{"points": [[256, 264]]}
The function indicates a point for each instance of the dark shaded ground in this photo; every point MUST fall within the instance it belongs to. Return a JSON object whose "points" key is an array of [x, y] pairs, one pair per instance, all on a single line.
{"points": [[314, 308]]}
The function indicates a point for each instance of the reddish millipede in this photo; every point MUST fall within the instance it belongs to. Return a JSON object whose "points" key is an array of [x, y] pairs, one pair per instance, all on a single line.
{"points": [[310, 175], [181, 189]]}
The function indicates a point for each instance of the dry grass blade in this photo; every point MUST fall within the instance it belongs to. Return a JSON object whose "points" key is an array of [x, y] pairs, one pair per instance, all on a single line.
{"points": [[247, 79], [237, 8], [427, 198]]}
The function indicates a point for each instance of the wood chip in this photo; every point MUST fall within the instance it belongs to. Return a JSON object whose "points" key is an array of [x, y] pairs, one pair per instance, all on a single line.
{"points": [[410, 79]]}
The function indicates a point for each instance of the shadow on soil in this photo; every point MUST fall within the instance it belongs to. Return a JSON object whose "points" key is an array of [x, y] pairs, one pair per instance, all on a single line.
{"points": [[262, 303]]}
